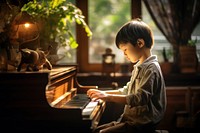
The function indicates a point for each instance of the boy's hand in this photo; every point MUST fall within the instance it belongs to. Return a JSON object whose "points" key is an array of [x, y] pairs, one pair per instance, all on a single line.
{"points": [[95, 94]]}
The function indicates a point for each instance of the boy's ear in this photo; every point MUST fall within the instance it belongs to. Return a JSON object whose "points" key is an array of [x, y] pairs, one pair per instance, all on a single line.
{"points": [[140, 43]]}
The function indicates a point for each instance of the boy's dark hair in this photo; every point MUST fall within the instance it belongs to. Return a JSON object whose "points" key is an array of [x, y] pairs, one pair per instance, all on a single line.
{"points": [[134, 30]]}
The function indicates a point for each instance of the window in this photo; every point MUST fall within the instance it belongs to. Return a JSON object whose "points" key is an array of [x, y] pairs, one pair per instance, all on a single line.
{"points": [[160, 42], [196, 35], [66, 55], [105, 18]]}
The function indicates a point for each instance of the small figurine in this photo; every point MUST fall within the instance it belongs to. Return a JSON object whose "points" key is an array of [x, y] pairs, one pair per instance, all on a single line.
{"points": [[34, 60]]}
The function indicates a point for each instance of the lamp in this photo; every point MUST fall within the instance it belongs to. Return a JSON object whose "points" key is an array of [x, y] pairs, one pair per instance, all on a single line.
{"points": [[24, 34], [28, 31], [24, 17]]}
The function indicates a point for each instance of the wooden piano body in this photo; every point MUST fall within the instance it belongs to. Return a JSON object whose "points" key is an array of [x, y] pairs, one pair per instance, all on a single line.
{"points": [[46, 101]]}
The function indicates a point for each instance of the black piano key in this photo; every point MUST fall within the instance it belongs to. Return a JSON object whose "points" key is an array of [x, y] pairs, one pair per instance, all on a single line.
{"points": [[78, 101]]}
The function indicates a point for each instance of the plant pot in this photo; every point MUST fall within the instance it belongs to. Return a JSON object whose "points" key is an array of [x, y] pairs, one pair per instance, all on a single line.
{"points": [[166, 67], [188, 60]]}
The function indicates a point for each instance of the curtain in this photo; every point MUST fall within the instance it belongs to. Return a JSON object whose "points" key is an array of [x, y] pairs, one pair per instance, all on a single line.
{"points": [[176, 19]]}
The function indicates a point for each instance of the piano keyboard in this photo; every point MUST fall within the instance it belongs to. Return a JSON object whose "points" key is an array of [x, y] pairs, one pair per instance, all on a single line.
{"points": [[83, 102], [78, 101], [88, 110]]}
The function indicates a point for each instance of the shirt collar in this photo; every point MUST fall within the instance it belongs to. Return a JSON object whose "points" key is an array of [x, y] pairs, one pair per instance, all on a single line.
{"points": [[149, 60]]}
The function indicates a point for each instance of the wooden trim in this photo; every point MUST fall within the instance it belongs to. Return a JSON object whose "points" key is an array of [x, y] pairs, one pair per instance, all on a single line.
{"points": [[136, 9]]}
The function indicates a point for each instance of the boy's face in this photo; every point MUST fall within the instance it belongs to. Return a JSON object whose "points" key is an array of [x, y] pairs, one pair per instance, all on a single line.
{"points": [[132, 53]]}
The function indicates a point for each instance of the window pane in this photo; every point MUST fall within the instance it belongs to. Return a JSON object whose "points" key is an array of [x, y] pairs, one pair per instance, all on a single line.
{"points": [[105, 18], [196, 35], [66, 55]]}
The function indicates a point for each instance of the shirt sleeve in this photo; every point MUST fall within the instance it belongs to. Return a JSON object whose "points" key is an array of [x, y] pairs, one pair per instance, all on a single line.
{"points": [[124, 90]]}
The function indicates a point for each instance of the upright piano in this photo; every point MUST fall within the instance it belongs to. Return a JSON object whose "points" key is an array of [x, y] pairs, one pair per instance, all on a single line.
{"points": [[47, 101]]}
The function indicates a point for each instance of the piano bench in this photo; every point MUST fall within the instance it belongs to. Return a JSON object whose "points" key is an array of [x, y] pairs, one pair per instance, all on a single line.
{"points": [[161, 131]]}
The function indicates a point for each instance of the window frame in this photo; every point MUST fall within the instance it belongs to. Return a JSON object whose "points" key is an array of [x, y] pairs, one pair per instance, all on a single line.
{"points": [[83, 40]]}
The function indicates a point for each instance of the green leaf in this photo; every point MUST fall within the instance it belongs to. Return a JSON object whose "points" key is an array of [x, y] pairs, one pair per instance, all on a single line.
{"points": [[73, 44], [57, 16]]}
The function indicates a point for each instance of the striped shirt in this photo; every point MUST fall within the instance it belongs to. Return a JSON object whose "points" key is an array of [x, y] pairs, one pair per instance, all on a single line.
{"points": [[146, 94]]}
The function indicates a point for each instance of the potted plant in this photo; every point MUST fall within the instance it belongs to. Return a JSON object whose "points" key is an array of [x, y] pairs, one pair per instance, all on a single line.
{"points": [[166, 65], [188, 60], [55, 19]]}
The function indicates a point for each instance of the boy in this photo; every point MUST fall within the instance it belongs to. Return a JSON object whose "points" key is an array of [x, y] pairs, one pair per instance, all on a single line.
{"points": [[144, 95]]}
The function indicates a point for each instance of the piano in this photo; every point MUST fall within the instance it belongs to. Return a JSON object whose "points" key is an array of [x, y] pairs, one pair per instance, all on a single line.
{"points": [[47, 101]]}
